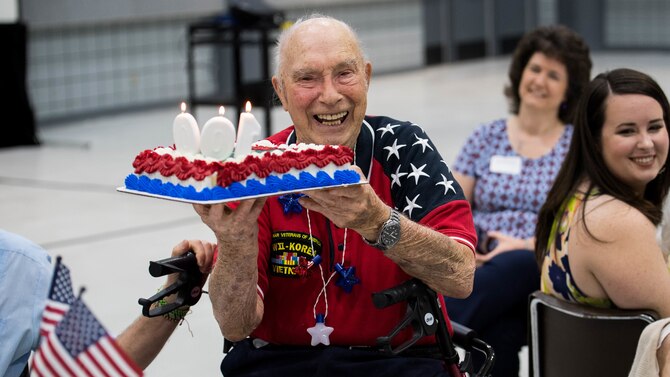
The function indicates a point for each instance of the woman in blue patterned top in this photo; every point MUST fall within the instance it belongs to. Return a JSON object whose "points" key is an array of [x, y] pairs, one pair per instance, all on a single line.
{"points": [[506, 168]]}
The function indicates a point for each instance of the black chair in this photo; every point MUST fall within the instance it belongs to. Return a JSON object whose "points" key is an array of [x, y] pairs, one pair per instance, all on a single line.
{"points": [[569, 339]]}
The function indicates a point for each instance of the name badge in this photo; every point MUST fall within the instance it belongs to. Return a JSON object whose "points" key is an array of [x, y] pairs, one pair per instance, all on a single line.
{"points": [[505, 165]]}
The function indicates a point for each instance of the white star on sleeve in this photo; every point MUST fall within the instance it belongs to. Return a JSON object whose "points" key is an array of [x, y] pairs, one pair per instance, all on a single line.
{"points": [[448, 185], [411, 204], [423, 143], [445, 164], [388, 128], [393, 149], [417, 172], [396, 177], [416, 125]]}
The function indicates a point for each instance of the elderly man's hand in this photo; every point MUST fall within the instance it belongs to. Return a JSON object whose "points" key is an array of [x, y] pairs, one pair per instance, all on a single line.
{"points": [[231, 224], [356, 207]]}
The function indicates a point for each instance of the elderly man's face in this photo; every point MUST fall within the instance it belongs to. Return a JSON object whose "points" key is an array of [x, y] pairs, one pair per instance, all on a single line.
{"points": [[323, 84]]}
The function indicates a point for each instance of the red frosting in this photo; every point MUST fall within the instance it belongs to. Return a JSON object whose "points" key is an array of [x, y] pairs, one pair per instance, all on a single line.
{"points": [[149, 161]]}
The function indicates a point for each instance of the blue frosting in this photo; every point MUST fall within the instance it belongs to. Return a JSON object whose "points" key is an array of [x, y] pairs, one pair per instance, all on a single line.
{"points": [[237, 190]]}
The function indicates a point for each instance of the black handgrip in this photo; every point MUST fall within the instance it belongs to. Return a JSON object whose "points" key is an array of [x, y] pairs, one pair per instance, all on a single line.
{"points": [[463, 335], [395, 295], [185, 262], [187, 287], [467, 338]]}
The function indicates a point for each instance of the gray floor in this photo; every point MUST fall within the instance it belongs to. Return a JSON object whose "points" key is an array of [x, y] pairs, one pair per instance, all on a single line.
{"points": [[62, 194]]}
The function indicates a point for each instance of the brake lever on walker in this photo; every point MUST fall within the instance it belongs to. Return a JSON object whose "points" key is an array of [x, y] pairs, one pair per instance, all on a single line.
{"points": [[187, 287], [419, 314], [424, 315]]}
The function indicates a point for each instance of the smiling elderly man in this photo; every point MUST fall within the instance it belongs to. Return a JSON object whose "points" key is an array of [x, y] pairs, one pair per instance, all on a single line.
{"points": [[409, 220]]}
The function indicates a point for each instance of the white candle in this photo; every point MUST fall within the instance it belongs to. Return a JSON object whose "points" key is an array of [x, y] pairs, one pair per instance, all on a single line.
{"points": [[218, 137], [248, 131], [185, 132]]}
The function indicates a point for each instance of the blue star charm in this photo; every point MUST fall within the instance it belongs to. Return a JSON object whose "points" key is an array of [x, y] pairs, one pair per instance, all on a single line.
{"points": [[290, 203], [347, 277]]}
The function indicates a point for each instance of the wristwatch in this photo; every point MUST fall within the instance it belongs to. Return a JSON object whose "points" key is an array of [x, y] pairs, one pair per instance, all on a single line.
{"points": [[389, 235]]}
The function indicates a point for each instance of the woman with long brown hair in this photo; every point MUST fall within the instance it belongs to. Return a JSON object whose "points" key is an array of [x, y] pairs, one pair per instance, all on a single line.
{"points": [[596, 233]]}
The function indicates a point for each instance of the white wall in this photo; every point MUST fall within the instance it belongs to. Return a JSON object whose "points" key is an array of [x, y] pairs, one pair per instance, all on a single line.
{"points": [[9, 11], [50, 13]]}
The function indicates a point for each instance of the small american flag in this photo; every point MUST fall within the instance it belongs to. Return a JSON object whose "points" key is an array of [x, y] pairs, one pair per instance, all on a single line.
{"points": [[80, 346], [61, 296]]}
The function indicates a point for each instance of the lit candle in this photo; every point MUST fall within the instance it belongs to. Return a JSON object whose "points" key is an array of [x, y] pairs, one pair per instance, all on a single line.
{"points": [[248, 131], [218, 137], [185, 132]]}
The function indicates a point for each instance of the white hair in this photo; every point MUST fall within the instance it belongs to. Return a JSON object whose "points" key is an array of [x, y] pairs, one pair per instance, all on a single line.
{"points": [[286, 34]]}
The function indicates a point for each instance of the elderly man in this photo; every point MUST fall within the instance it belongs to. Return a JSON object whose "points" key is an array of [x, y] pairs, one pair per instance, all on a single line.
{"points": [[410, 220]]}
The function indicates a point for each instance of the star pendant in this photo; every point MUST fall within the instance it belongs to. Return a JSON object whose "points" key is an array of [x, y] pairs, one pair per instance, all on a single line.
{"points": [[320, 332], [290, 203], [347, 277]]}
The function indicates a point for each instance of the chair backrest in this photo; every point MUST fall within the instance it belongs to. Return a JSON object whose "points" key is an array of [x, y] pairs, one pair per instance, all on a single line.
{"points": [[569, 339]]}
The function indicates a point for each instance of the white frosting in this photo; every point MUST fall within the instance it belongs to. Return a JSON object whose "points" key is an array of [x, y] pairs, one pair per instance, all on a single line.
{"points": [[263, 144], [208, 182]]}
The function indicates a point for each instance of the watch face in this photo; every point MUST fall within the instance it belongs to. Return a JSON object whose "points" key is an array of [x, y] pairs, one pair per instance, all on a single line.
{"points": [[390, 234]]}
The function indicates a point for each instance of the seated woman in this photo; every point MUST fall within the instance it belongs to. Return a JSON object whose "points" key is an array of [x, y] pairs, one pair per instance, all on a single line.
{"points": [[596, 233], [505, 169]]}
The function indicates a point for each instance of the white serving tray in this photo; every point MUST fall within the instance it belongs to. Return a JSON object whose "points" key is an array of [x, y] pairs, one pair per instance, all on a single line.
{"points": [[142, 193]]}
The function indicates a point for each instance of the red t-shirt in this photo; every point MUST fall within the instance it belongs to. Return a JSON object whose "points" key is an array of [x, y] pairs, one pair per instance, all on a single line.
{"points": [[406, 172]]}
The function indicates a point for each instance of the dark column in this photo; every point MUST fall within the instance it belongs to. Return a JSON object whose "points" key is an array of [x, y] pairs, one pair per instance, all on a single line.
{"points": [[19, 124], [586, 18]]}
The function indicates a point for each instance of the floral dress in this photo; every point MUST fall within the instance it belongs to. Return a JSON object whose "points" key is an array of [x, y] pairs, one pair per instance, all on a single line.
{"points": [[556, 278]]}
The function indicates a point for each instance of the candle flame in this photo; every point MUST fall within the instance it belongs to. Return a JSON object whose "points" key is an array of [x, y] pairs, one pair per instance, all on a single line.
{"points": [[183, 107], [221, 110], [248, 106]]}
